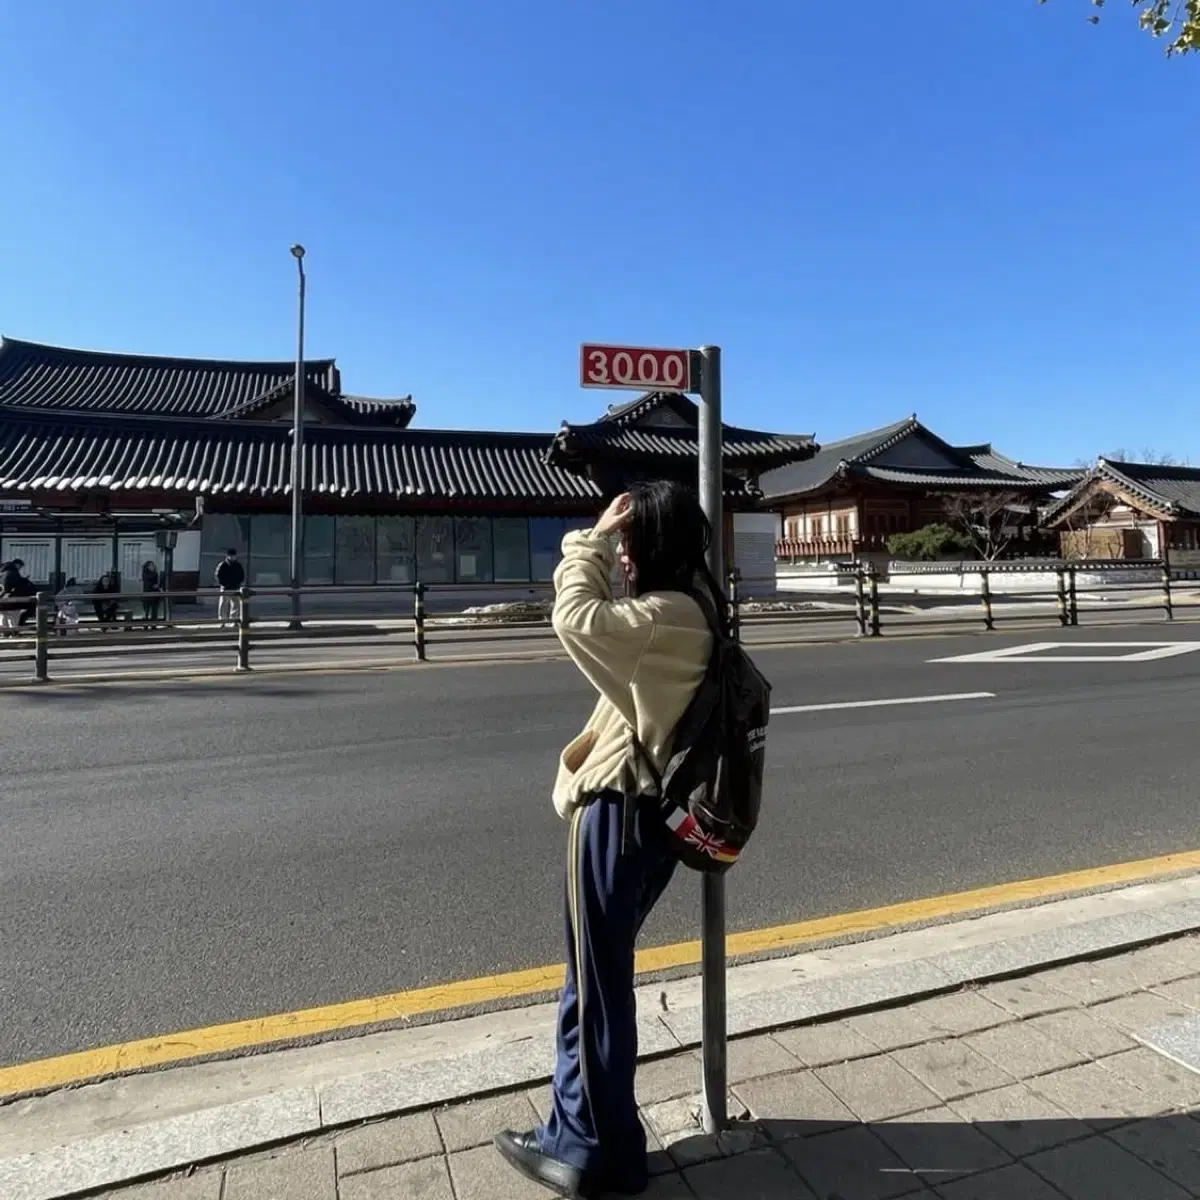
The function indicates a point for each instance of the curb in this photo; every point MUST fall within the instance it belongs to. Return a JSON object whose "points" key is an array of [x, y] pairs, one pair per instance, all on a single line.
{"points": [[208, 674], [198, 1113]]}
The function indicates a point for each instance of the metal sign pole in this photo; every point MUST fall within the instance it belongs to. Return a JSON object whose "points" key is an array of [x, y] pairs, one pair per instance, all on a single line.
{"points": [[297, 562], [712, 904]]}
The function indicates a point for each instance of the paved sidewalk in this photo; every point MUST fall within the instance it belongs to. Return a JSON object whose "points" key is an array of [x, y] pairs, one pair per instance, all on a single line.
{"points": [[1044, 1087]]}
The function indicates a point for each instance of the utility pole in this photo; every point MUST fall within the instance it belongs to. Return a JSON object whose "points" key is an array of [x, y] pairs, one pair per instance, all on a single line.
{"points": [[298, 452], [712, 899]]}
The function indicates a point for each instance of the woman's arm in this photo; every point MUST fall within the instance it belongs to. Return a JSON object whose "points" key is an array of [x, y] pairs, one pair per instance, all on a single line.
{"points": [[604, 637]]}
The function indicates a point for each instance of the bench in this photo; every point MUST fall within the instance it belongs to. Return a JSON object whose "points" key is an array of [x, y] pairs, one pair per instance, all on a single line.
{"points": [[125, 617]]}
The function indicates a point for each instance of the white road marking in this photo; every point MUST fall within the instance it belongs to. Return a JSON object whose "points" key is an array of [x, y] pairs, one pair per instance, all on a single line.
{"points": [[1035, 652], [807, 708]]}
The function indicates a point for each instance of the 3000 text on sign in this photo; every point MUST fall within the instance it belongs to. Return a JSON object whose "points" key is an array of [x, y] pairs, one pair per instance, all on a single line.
{"points": [[639, 367]]}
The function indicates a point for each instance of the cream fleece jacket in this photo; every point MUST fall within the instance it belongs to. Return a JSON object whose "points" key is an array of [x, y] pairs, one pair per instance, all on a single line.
{"points": [[645, 657]]}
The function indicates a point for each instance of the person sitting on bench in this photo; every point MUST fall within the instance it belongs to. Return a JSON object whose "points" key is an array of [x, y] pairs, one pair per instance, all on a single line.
{"points": [[66, 609], [106, 610]]}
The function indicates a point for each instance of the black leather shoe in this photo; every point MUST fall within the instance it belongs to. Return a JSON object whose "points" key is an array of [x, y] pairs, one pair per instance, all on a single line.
{"points": [[521, 1151]]}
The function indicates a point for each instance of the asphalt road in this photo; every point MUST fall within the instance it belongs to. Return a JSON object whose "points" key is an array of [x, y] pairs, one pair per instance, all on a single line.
{"points": [[174, 856]]}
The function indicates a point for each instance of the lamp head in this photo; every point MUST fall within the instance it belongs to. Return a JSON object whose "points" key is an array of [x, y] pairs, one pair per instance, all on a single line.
{"points": [[297, 251]]}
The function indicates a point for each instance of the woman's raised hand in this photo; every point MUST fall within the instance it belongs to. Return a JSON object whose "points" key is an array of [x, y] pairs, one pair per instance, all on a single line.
{"points": [[616, 516]]}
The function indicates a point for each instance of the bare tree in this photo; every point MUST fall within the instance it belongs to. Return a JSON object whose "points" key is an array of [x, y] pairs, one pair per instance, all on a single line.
{"points": [[1081, 534], [986, 518], [1087, 537]]}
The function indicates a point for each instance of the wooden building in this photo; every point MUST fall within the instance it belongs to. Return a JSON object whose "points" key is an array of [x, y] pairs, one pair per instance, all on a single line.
{"points": [[1131, 510], [98, 451], [847, 499]]}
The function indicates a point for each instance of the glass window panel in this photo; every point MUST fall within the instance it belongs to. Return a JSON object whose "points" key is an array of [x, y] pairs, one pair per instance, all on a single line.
{"points": [[37, 555], [134, 553], [473, 549], [270, 562], [319, 542], [395, 553], [86, 559], [220, 532], [545, 543], [510, 543], [435, 549], [355, 550]]}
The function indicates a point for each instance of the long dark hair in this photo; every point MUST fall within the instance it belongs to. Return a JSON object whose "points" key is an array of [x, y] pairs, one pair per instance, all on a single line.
{"points": [[667, 539]]}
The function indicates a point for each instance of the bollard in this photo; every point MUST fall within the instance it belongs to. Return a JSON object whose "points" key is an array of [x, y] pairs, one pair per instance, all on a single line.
{"points": [[1072, 598], [41, 648], [243, 638], [1168, 606], [860, 601], [735, 611], [873, 593], [985, 596], [1062, 597], [419, 620]]}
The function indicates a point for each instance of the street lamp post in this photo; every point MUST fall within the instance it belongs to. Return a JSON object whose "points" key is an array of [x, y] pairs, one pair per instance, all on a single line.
{"points": [[298, 451]]}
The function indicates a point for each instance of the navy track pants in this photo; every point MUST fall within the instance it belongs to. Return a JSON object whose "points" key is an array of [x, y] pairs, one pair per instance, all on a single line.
{"points": [[618, 866]]}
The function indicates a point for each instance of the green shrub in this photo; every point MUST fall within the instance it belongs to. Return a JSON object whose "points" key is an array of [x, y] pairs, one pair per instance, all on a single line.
{"points": [[928, 543]]}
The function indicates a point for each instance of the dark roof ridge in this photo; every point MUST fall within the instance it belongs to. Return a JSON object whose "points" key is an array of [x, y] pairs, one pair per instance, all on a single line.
{"points": [[1159, 470], [86, 421], [626, 414], [161, 359], [907, 423], [899, 432]]}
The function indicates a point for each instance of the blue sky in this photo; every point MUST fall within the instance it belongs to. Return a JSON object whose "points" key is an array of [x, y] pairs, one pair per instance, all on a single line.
{"points": [[974, 211]]}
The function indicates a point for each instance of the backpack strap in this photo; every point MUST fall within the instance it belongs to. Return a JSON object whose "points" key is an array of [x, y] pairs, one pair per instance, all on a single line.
{"points": [[644, 755]]}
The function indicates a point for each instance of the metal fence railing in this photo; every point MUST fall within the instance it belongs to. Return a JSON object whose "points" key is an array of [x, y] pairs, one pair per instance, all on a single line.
{"points": [[1143, 581], [253, 619]]}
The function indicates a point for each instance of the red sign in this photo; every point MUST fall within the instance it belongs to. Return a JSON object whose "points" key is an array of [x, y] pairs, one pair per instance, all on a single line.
{"points": [[639, 367]]}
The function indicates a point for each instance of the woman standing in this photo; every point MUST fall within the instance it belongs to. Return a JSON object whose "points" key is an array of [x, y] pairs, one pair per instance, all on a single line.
{"points": [[150, 589], [645, 654]]}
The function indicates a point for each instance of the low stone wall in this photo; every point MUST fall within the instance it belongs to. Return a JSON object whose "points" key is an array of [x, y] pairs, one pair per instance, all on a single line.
{"points": [[934, 579]]}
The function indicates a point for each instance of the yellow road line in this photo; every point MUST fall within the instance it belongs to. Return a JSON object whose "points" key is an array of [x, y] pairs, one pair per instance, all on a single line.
{"points": [[47, 1073]]}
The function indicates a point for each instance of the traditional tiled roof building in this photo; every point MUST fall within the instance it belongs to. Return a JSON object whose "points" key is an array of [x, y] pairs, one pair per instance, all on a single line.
{"points": [[97, 449], [655, 436], [1131, 510], [853, 494]]}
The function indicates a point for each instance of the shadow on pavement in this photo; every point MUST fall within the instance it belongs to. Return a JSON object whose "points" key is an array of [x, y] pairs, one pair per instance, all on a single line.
{"points": [[1097, 1159], [66, 694]]}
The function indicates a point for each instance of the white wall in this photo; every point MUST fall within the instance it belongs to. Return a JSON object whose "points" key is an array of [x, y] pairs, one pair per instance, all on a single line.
{"points": [[957, 583]]}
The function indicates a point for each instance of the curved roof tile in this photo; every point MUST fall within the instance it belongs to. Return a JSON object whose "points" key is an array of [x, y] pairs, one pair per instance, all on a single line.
{"points": [[37, 376], [55, 451]]}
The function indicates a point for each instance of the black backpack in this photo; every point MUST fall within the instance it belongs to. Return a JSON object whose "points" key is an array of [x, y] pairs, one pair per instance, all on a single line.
{"points": [[711, 788]]}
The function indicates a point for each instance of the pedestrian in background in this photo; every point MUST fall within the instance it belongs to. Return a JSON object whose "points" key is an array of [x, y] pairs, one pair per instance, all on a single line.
{"points": [[106, 609], [230, 575], [150, 589], [11, 591], [645, 654]]}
